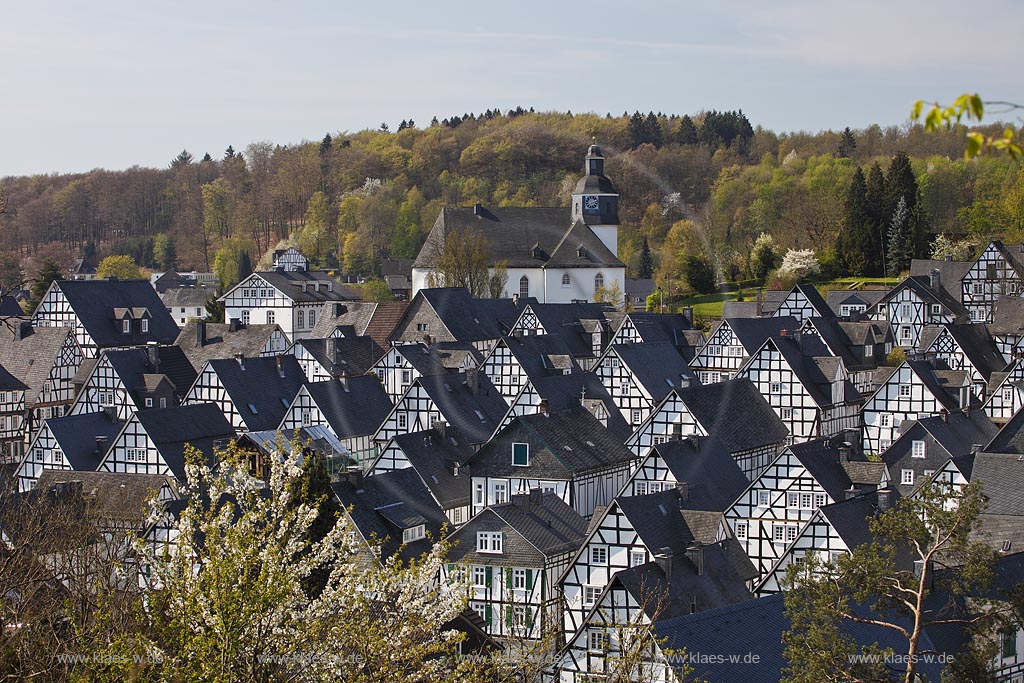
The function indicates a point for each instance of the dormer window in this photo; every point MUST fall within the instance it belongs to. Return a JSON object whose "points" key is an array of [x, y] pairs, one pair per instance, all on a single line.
{"points": [[414, 533], [581, 252], [126, 326], [145, 324]]}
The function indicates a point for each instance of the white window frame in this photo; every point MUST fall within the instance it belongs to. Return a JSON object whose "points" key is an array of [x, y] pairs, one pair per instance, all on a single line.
{"points": [[490, 542], [907, 477], [917, 449], [524, 448], [599, 555]]}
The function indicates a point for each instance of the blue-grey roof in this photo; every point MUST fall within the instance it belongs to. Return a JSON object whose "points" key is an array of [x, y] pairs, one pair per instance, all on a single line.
{"points": [[736, 412], [261, 386], [132, 366], [657, 366], [172, 429], [94, 302], [714, 480], [77, 434], [356, 406]]}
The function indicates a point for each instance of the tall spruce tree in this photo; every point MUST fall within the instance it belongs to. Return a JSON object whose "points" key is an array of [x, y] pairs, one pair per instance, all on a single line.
{"points": [[686, 132], [646, 269], [858, 246], [899, 243], [874, 203]]}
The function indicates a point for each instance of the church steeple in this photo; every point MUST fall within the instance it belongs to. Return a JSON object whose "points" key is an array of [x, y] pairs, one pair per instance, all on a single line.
{"points": [[595, 201]]}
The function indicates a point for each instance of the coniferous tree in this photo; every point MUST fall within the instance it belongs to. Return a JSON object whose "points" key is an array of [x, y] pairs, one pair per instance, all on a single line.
{"points": [[899, 241], [686, 132], [900, 182], [229, 153], [49, 272], [652, 130], [646, 269], [636, 129], [874, 203], [847, 143], [207, 157], [183, 159], [857, 245]]}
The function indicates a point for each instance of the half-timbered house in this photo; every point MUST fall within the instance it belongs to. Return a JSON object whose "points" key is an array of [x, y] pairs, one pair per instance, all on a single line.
{"points": [[925, 445], [130, 380], [155, 441], [769, 515], [12, 417], [353, 408], [376, 320], [916, 389], [253, 393], [187, 303], [998, 271], [567, 392], [701, 467], [970, 348], [733, 411], [292, 300], [402, 364], [851, 304], [72, 442], [639, 376], [730, 344], [45, 360], [513, 554], [449, 314], [585, 327], [514, 360], [202, 341], [1007, 326], [467, 401], [567, 452], [324, 359], [916, 302], [290, 259], [1005, 393], [803, 302], [644, 327], [439, 457], [106, 314], [807, 386]]}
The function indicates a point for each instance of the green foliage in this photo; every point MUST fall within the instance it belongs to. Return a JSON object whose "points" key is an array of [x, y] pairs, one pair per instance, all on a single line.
{"points": [[164, 252], [120, 267], [48, 272], [232, 263], [895, 357], [376, 290], [646, 268], [462, 261], [764, 257], [857, 247], [314, 237], [699, 274], [970, 107]]}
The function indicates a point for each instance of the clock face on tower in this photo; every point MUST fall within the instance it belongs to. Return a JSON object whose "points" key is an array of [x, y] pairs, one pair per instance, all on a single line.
{"points": [[590, 203]]}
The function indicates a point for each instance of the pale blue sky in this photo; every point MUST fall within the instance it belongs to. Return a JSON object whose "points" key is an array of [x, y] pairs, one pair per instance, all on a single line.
{"points": [[111, 84]]}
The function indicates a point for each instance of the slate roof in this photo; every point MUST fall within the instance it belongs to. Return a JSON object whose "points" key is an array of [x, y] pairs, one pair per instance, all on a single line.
{"points": [[664, 596], [714, 480], [835, 298], [936, 377], [736, 412], [543, 519], [77, 435], [440, 357], [474, 415], [670, 327], [951, 273], [31, 358], [657, 366], [113, 496], [431, 455], [466, 318], [1008, 316], [921, 286], [575, 323], [354, 407], [382, 493], [197, 424], [568, 392], [540, 354], [352, 355], [979, 347], [189, 297], [370, 319], [814, 367], [755, 628], [1002, 479], [94, 303], [135, 370], [10, 308], [290, 284], [752, 332], [959, 433], [512, 232], [1009, 439], [821, 459], [221, 342], [866, 331], [9, 382], [739, 309], [261, 386], [814, 298], [1011, 256], [850, 517]]}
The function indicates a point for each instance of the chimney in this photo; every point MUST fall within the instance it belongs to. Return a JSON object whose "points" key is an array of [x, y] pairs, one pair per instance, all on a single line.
{"points": [[339, 309], [542, 407], [683, 489], [343, 381], [783, 333], [478, 209], [684, 381], [759, 307], [695, 554], [472, 380], [153, 353], [844, 452], [201, 333], [945, 415], [883, 500], [441, 427], [102, 444], [664, 559], [22, 329], [240, 358], [949, 257], [975, 447], [280, 366], [110, 412], [935, 279], [850, 492], [331, 345], [515, 299], [693, 441], [234, 325], [536, 498], [427, 340], [687, 313], [354, 476]]}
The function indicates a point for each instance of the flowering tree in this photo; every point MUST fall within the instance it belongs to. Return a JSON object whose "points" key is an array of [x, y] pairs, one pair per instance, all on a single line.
{"points": [[228, 601], [798, 264]]}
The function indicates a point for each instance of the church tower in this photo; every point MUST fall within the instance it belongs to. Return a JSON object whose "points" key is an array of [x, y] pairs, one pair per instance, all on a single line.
{"points": [[595, 201]]}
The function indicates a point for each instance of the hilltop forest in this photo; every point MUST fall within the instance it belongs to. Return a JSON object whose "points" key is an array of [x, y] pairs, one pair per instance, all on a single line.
{"points": [[695, 189]]}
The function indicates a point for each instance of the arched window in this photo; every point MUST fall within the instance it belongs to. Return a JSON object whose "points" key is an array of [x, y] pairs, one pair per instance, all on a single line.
{"points": [[302, 319], [565, 280], [598, 282], [270, 317], [524, 287]]}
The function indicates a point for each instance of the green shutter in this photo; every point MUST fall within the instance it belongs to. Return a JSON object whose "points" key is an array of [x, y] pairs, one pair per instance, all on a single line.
{"points": [[508, 617], [508, 578], [487, 577], [529, 618], [487, 612], [529, 579]]}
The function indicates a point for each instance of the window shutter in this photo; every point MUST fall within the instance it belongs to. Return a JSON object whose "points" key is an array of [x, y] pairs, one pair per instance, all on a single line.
{"points": [[529, 617], [508, 577], [508, 617], [487, 607], [487, 582], [529, 579]]}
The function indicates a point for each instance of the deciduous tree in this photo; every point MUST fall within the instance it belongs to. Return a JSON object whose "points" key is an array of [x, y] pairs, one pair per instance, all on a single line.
{"points": [[120, 266]]}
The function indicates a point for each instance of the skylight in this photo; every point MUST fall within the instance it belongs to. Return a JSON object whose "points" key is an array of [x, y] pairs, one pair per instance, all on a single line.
{"points": [[252, 409]]}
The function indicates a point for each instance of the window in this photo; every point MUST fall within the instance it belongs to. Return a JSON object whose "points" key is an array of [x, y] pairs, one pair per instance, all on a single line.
{"points": [[869, 351], [307, 419], [500, 492], [301, 316], [590, 595], [792, 500], [640, 488], [163, 401], [199, 311], [904, 390], [791, 532], [597, 641], [565, 280], [519, 616], [519, 579], [126, 326], [637, 416], [905, 310], [779, 533], [936, 309], [1007, 394], [423, 327], [598, 281], [806, 501], [145, 324], [637, 558], [149, 402], [819, 500], [479, 575], [741, 531], [905, 333], [403, 421], [917, 449], [478, 493], [312, 318], [521, 454], [885, 419], [245, 317], [599, 554], [489, 542], [775, 388], [406, 377], [763, 498], [413, 533], [524, 287], [787, 413], [1009, 644], [270, 317], [907, 477], [38, 452]]}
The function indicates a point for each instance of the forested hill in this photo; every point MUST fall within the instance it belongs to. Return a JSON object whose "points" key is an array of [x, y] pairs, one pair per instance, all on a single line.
{"points": [[364, 196]]}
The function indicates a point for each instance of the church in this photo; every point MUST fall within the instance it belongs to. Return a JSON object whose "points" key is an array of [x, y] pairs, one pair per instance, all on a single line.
{"points": [[556, 255]]}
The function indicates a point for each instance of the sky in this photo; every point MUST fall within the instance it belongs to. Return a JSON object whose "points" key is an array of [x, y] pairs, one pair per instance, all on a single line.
{"points": [[112, 84]]}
